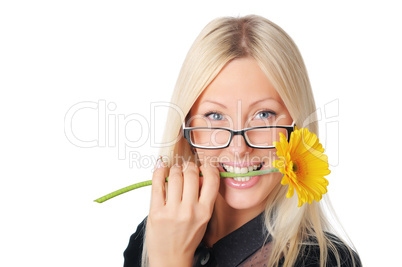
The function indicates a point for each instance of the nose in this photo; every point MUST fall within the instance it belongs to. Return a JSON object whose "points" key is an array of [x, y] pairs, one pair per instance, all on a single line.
{"points": [[238, 145]]}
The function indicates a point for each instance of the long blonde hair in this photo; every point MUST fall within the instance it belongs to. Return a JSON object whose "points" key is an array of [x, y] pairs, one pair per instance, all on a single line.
{"points": [[221, 41]]}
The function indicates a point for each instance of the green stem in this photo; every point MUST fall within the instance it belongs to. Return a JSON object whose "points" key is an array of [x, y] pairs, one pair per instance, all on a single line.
{"points": [[149, 182]]}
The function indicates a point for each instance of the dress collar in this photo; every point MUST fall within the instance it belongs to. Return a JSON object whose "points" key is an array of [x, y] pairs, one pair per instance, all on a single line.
{"points": [[235, 247]]}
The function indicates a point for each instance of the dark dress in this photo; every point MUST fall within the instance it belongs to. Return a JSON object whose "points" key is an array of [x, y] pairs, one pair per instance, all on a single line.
{"points": [[246, 246]]}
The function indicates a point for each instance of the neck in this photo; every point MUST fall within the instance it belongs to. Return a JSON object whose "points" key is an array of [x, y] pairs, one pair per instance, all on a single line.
{"points": [[225, 220]]}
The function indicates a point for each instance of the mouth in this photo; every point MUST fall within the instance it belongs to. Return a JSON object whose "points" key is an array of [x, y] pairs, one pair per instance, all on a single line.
{"points": [[245, 169]]}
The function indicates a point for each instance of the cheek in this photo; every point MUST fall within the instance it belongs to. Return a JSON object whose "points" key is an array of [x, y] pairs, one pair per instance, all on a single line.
{"points": [[208, 155], [268, 157], [273, 180], [268, 184]]}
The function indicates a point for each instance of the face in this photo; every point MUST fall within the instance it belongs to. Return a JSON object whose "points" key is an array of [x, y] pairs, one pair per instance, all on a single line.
{"points": [[241, 96]]}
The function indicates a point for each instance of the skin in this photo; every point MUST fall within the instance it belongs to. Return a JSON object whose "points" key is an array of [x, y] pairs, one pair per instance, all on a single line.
{"points": [[209, 210]]}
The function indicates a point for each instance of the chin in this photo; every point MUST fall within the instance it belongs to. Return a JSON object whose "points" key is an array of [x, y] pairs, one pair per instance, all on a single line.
{"points": [[244, 204], [251, 198]]}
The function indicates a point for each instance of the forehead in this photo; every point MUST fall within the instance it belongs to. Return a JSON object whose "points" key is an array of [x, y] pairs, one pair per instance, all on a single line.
{"points": [[241, 79]]}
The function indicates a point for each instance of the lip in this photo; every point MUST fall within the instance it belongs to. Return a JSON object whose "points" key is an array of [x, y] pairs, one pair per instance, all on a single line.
{"points": [[242, 185], [239, 184]]}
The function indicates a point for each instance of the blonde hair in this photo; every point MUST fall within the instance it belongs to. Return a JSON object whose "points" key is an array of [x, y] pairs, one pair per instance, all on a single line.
{"points": [[223, 40]]}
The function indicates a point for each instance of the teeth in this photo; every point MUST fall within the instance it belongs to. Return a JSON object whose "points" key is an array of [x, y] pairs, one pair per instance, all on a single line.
{"points": [[230, 168], [240, 170]]}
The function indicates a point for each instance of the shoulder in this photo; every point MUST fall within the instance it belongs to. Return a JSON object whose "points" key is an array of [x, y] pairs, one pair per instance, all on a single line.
{"points": [[133, 252], [310, 254]]}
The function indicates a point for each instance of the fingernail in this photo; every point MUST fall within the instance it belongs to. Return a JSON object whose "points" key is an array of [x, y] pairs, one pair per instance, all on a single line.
{"points": [[159, 163]]}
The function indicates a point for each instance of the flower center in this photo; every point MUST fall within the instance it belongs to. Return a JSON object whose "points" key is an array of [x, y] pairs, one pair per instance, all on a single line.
{"points": [[294, 169]]}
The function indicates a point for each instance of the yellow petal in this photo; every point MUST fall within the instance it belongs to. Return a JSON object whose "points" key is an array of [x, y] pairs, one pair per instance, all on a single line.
{"points": [[303, 164]]}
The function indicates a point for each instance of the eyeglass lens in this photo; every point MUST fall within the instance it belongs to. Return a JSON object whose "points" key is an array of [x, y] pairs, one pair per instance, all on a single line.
{"points": [[218, 137]]}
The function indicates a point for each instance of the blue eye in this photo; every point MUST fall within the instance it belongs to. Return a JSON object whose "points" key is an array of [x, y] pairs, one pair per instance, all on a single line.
{"points": [[265, 114], [214, 116]]}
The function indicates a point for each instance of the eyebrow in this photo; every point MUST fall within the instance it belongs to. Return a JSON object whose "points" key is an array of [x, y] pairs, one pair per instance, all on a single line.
{"points": [[262, 100], [252, 104], [214, 102]]}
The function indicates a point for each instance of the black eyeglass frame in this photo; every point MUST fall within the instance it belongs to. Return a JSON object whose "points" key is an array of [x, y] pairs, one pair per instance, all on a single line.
{"points": [[186, 133]]}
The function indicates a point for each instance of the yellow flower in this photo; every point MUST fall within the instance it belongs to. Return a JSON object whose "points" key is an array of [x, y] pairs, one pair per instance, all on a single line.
{"points": [[303, 164]]}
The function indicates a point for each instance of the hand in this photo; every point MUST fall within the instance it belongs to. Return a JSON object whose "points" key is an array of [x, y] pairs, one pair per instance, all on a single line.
{"points": [[176, 227]]}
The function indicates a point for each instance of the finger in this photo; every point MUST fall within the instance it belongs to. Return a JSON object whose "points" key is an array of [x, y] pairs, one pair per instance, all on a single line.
{"points": [[210, 186], [191, 179], [158, 185], [175, 185]]}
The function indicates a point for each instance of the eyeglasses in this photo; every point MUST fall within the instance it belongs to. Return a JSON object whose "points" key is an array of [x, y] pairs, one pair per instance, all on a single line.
{"points": [[262, 137]]}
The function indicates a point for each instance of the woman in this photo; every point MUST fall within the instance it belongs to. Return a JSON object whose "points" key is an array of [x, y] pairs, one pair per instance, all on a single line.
{"points": [[240, 73]]}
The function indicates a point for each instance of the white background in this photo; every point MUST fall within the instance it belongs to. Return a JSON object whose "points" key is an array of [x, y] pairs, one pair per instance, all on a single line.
{"points": [[56, 54]]}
